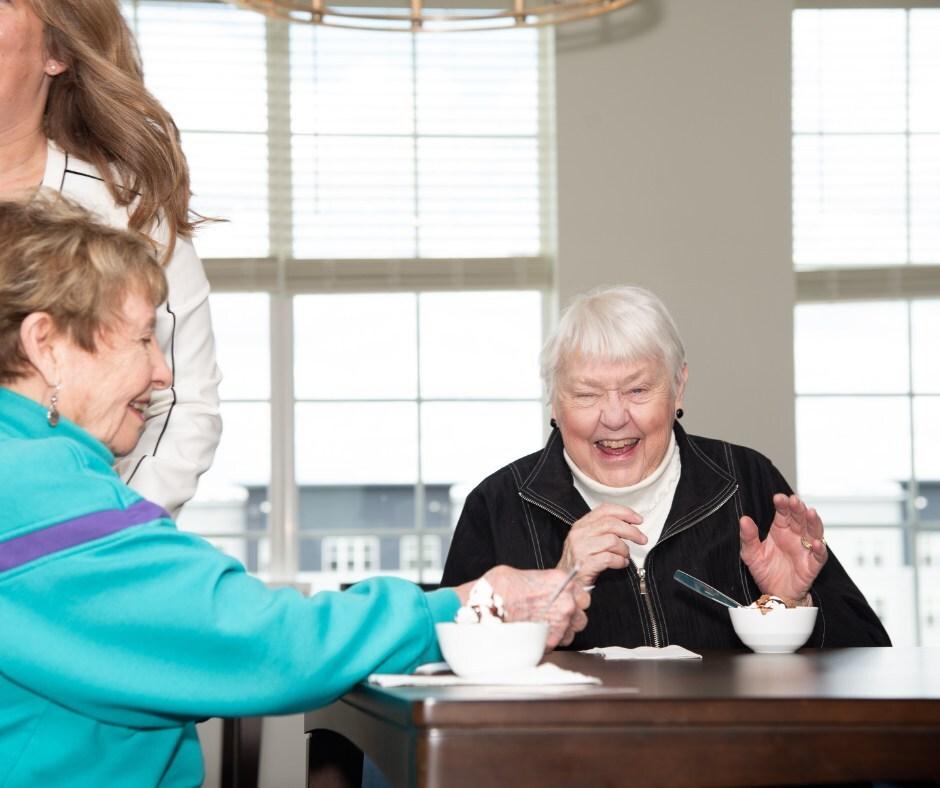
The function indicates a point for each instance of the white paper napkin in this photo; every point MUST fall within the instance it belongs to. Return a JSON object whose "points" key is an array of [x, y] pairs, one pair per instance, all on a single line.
{"points": [[643, 652], [546, 673]]}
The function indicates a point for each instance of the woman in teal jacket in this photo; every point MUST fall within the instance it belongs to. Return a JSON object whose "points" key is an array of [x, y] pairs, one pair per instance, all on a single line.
{"points": [[119, 631]]}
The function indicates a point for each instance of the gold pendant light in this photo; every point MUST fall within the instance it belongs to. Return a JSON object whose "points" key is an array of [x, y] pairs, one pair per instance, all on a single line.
{"points": [[443, 18]]}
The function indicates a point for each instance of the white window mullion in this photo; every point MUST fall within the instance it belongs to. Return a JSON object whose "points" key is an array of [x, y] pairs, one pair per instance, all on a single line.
{"points": [[415, 180], [280, 214], [420, 492], [911, 530], [548, 244], [907, 140], [282, 520], [548, 190]]}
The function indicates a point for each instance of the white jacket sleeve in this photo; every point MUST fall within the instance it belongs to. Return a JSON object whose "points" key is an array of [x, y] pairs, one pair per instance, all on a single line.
{"points": [[183, 424]]}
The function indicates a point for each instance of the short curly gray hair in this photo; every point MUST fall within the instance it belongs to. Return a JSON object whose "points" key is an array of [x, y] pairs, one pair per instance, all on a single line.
{"points": [[56, 258], [621, 324]]}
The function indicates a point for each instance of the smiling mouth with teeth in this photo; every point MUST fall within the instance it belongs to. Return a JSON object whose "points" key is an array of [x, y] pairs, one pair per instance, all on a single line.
{"points": [[625, 443]]}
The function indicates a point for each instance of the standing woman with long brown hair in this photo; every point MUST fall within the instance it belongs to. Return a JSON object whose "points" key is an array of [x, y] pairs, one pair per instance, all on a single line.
{"points": [[75, 117]]}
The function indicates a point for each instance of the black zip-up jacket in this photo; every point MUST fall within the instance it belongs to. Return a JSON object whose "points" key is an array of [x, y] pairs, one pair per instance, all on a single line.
{"points": [[521, 515]]}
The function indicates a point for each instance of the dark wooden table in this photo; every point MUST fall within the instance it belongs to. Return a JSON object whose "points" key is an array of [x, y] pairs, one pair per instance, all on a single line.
{"points": [[728, 719]]}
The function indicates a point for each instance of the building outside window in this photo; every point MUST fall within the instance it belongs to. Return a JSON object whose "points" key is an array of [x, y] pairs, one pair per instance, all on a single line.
{"points": [[424, 551]]}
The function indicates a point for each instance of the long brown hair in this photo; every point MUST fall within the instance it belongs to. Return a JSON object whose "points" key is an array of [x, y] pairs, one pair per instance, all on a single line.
{"points": [[100, 111]]}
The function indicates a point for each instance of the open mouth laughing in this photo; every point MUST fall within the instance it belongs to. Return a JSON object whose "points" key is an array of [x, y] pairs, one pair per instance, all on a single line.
{"points": [[617, 447]]}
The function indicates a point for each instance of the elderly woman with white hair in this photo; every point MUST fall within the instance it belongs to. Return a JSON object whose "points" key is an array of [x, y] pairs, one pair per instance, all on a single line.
{"points": [[621, 491]]}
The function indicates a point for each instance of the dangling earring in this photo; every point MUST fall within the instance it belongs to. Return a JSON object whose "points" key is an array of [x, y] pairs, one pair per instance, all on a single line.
{"points": [[679, 413], [52, 415], [553, 424]]}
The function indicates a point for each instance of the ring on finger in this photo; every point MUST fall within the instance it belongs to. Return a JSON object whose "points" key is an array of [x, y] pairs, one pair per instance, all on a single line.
{"points": [[806, 543]]}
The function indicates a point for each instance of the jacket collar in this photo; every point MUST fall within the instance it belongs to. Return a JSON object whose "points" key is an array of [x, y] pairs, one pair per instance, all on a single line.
{"points": [[703, 485], [56, 165], [550, 485]]}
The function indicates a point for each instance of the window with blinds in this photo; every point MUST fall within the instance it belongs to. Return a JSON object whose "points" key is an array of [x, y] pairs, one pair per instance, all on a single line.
{"points": [[327, 144], [866, 137], [378, 285], [425, 146], [866, 236]]}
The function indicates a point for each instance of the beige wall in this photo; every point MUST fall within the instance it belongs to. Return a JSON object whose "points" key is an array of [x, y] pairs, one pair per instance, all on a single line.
{"points": [[674, 173]]}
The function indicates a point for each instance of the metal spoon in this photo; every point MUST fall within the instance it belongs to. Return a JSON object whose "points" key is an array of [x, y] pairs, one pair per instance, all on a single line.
{"points": [[563, 585], [705, 590]]}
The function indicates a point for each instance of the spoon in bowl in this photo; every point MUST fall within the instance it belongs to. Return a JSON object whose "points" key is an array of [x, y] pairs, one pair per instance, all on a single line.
{"points": [[705, 590]]}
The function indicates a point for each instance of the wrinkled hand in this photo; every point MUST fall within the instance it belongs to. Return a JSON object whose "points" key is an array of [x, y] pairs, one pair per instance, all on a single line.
{"points": [[595, 542], [525, 596], [782, 564]]}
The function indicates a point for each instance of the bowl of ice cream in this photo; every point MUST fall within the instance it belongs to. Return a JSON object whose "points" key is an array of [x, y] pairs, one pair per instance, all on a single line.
{"points": [[772, 625], [492, 649], [480, 642]]}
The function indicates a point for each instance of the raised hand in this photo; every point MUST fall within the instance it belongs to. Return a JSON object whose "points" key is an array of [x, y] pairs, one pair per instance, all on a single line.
{"points": [[787, 562], [596, 541]]}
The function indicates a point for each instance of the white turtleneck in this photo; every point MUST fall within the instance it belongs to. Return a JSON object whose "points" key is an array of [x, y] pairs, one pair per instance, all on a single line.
{"points": [[651, 497]]}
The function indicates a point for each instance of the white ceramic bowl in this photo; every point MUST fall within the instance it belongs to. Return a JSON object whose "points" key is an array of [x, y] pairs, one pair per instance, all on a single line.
{"points": [[779, 631], [480, 649]]}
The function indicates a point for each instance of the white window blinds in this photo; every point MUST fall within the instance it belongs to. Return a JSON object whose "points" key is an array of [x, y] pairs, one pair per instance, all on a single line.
{"points": [[866, 144], [341, 145]]}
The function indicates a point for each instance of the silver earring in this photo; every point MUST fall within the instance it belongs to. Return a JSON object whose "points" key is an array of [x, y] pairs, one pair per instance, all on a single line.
{"points": [[52, 414]]}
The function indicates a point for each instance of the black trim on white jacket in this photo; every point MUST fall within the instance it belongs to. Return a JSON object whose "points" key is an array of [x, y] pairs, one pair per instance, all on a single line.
{"points": [[183, 425]]}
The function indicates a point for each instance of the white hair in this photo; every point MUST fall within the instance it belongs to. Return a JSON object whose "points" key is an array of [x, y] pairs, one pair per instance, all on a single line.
{"points": [[619, 324]]}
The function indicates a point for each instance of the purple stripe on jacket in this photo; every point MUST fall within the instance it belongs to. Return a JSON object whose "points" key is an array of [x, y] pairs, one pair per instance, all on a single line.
{"points": [[72, 533]]}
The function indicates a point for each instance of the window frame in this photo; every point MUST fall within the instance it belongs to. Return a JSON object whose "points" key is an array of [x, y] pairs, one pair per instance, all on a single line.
{"points": [[281, 276], [906, 282]]}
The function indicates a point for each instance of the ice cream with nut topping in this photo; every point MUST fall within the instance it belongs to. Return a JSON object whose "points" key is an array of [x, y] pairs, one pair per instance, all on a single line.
{"points": [[769, 602]]}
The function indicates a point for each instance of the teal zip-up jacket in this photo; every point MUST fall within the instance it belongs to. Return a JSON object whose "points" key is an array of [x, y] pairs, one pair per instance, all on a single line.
{"points": [[118, 632]]}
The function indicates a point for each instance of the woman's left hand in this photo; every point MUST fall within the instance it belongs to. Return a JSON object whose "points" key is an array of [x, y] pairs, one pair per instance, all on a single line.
{"points": [[787, 562]]}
